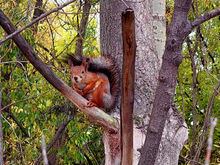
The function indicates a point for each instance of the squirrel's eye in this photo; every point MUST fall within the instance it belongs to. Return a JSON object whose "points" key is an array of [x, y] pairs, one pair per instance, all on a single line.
{"points": [[82, 71]]}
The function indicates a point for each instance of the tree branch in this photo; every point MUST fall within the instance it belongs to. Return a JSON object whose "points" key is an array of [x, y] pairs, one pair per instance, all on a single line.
{"points": [[206, 121], [1, 137], [32, 22], [55, 138], [44, 153], [213, 122], [177, 30], [207, 16], [82, 28], [193, 65]]}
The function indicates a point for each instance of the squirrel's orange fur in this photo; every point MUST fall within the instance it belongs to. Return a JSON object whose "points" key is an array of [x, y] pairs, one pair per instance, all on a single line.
{"points": [[94, 86]]}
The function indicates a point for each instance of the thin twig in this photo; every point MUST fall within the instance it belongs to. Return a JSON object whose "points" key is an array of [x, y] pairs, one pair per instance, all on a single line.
{"points": [[56, 136], [87, 146], [189, 160], [25, 99], [206, 121], [21, 152], [213, 122]]}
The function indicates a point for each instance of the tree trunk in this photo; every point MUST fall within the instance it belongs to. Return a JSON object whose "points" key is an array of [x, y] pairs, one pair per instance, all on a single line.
{"points": [[146, 70], [147, 61]]}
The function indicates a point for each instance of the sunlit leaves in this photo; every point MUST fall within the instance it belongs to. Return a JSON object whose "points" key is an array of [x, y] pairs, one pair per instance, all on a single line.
{"points": [[31, 99], [207, 73]]}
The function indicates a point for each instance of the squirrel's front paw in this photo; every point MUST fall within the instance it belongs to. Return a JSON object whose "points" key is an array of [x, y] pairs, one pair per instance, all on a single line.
{"points": [[91, 103], [80, 92]]}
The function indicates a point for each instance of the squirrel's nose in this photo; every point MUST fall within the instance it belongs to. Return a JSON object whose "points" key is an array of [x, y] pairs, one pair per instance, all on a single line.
{"points": [[75, 78]]}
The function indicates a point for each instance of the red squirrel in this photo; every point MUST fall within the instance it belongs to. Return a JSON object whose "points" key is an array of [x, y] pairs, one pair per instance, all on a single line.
{"points": [[96, 79]]}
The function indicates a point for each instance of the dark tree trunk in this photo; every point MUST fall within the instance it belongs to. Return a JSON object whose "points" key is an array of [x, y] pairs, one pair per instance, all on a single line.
{"points": [[82, 28]]}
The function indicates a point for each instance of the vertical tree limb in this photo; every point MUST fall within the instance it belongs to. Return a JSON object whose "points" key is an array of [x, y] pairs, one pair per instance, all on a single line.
{"points": [[37, 12], [44, 153], [1, 136], [82, 28], [129, 52], [193, 65], [164, 95], [206, 122], [58, 134], [213, 122]]}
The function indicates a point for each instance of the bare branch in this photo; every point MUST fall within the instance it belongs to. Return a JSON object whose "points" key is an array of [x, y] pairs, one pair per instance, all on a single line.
{"points": [[190, 161], [207, 16], [44, 153], [34, 21], [1, 137], [55, 138], [213, 122], [21, 151], [206, 121], [193, 65]]}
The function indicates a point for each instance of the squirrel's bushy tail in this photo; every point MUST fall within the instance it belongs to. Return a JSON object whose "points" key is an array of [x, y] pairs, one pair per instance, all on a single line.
{"points": [[104, 64]]}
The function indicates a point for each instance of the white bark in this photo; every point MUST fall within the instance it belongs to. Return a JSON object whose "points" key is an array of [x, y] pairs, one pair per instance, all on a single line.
{"points": [[159, 26]]}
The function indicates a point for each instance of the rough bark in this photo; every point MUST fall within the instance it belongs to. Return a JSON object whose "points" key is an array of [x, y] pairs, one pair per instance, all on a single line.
{"points": [[166, 82], [175, 133], [109, 124]]}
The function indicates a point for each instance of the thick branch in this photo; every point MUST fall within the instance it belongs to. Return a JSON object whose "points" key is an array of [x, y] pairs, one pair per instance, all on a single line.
{"points": [[32, 22], [207, 16], [98, 115], [172, 58]]}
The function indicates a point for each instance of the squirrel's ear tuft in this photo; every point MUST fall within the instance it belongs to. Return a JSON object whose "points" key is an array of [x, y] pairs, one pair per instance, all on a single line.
{"points": [[70, 63], [85, 63]]}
